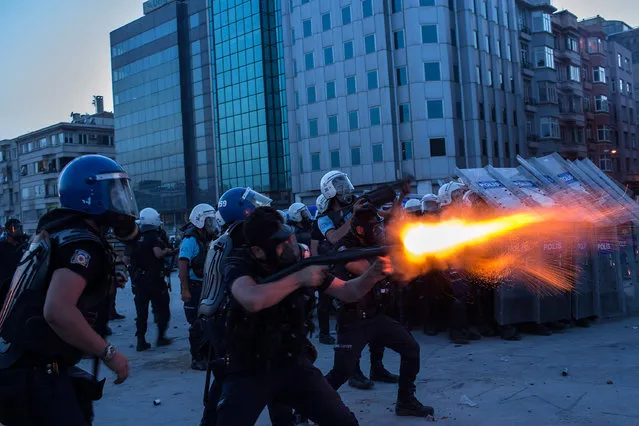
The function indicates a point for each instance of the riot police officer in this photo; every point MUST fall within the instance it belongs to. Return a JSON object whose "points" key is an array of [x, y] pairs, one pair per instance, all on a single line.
{"points": [[269, 356], [300, 218], [46, 331], [365, 321], [319, 245], [11, 250], [334, 224], [202, 228], [147, 264]]}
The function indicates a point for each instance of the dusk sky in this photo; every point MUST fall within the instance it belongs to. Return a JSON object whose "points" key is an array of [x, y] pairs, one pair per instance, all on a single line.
{"points": [[56, 54]]}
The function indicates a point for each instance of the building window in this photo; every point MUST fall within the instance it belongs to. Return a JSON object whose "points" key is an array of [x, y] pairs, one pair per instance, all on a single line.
{"points": [[348, 50], [194, 20], [346, 15], [306, 25], [330, 90], [326, 22], [297, 99], [369, 43], [407, 150], [351, 87], [367, 8], [544, 57], [476, 39], [332, 124], [478, 74], [598, 75], [404, 113], [355, 157], [629, 89], [621, 86], [604, 133], [435, 109], [328, 55], [541, 22], [312, 128], [547, 92], [372, 80], [429, 34], [398, 39], [601, 104], [305, 1], [427, 2], [310, 95], [572, 44], [549, 127], [293, 36], [437, 147], [309, 59], [595, 45], [498, 45], [299, 132], [375, 117], [574, 73], [353, 120], [335, 159], [432, 71], [378, 153], [462, 147], [397, 6], [402, 77], [315, 162], [619, 60], [487, 43], [490, 78], [294, 68]]}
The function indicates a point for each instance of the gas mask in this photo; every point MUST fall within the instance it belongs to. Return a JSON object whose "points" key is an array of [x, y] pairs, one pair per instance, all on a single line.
{"points": [[374, 233], [290, 251]]}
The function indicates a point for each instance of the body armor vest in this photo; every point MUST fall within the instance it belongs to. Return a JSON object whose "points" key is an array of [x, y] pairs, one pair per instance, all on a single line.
{"points": [[23, 328], [197, 263]]}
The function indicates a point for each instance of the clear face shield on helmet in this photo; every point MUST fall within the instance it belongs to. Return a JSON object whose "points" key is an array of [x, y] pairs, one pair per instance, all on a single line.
{"points": [[255, 198], [430, 206], [120, 203], [457, 196], [344, 189]]}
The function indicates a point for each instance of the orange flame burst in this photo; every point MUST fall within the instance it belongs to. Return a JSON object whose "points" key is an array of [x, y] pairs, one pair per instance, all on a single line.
{"points": [[441, 239]]}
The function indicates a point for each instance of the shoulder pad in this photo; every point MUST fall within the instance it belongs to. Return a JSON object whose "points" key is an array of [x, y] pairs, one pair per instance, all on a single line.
{"points": [[70, 236]]}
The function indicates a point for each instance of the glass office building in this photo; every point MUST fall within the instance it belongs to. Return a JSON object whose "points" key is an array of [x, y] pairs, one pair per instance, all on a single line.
{"points": [[162, 104], [249, 97]]}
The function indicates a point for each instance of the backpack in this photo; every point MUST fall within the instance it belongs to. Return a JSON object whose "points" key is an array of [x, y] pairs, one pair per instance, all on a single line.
{"points": [[214, 294]]}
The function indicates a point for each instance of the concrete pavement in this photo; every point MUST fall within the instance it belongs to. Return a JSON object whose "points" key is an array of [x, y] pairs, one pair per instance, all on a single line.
{"points": [[512, 383]]}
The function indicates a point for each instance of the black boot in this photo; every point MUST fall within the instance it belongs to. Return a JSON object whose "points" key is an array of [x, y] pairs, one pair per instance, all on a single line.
{"points": [[408, 405], [143, 345], [458, 337], [162, 339], [380, 374], [359, 381], [473, 333], [326, 339], [509, 332], [198, 364]]}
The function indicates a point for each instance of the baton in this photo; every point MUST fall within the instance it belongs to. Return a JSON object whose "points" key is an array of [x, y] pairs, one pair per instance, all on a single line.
{"points": [[330, 259]]}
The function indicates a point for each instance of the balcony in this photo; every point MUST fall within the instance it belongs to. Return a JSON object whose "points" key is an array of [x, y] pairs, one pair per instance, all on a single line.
{"points": [[530, 103], [525, 33]]}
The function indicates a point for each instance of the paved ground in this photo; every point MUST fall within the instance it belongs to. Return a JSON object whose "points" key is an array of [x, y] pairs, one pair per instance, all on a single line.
{"points": [[512, 383]]}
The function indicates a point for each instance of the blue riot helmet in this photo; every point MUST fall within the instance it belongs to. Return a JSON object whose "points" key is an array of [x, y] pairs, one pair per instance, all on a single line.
{"points": [[99, 187], [237, 203]]}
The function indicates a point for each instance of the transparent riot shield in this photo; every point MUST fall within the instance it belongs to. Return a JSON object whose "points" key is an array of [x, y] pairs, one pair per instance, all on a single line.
{"points": [[608, 279], [585, 303], [514, 302]]}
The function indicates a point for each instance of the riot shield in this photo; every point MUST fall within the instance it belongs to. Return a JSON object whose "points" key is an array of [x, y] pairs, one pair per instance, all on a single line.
{"points": [[585, 304], [521, 185], [514, 302]]}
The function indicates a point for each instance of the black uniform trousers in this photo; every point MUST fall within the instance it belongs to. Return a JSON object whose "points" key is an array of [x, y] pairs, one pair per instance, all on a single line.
{"points": [[384, 331], [297, 384], [323, 313], [34, 397], [151, 289], [196, 331]]}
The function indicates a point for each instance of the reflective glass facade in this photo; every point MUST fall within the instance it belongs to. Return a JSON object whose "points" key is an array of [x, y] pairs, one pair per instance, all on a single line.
{"points": [[162, 102], [249, 96]]}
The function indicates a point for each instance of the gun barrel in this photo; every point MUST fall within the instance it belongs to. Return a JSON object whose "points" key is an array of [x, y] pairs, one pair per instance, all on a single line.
{"points": [[330, 259]]}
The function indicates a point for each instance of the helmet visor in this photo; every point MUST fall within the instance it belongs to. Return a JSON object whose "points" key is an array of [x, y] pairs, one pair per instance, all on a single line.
{"points": [[343, 185], [255, 198], [430, 206], [121, 198]]}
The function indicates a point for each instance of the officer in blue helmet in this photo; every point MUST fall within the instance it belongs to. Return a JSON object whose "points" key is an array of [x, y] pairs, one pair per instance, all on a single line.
{"points": [[57, 307]]}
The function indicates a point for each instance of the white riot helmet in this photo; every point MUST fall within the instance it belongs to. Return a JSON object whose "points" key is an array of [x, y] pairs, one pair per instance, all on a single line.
{"points": [[322, 204], [150, 217], [298, 212], [202, 215], [336, 184], [430, 203], [450, 192], [471, 198], [413, 206]]}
